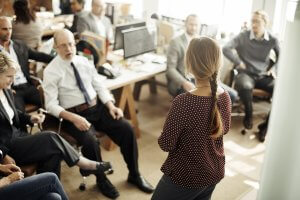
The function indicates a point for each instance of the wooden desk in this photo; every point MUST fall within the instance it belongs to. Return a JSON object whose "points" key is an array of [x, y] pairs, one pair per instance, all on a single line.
{"points": [[121, 88]]}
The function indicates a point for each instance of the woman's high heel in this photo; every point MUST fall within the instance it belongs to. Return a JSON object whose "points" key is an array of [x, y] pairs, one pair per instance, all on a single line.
{"points": [[101, 167]]}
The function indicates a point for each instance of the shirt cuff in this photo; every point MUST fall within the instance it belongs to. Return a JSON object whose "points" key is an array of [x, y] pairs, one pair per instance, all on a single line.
{"points": [[107, 99], [55, 112]]}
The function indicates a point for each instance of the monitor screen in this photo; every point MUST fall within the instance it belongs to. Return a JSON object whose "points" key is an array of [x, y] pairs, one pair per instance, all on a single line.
{"points": [[138, 41], [118, 32], [209, 30]]}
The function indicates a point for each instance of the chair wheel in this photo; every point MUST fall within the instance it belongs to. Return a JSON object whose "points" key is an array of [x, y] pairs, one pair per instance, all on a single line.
{"points": [[110, 171], [243, 132], [82, 186]]}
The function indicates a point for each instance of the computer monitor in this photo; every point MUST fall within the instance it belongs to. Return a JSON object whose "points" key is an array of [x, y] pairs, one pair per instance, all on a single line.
{"points": [[118, 32], [138, 41], [209, 30]]}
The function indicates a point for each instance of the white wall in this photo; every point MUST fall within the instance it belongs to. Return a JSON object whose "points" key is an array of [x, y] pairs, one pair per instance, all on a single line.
{"points": [[149, 7], [280, 174]]}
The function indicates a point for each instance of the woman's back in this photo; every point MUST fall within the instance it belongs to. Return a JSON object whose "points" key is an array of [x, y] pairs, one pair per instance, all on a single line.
{"points": [[30, 33], [195, 159]]}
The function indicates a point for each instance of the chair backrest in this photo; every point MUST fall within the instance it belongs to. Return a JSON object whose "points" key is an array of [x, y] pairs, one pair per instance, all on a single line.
{"points": [[87, 49]]}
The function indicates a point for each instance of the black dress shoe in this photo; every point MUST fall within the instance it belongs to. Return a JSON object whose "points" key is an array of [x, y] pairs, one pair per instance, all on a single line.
{"points": [[101, 167], [107, 188], [141, 183], [262, 134], [248, 123]]}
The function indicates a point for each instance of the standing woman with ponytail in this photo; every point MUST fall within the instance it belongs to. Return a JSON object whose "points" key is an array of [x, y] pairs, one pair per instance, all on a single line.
{"points": [[194, 129]]}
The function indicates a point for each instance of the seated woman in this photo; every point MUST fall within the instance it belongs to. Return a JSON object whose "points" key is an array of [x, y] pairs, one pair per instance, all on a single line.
{"points": [[26, 26], [47, 149], [44, 186]]}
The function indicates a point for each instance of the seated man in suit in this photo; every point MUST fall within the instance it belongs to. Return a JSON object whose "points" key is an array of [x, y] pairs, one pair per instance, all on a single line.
{"points": [[74, 92], [77, 9], [178, 81], [253, 48], [25, 91], [96, 21]]}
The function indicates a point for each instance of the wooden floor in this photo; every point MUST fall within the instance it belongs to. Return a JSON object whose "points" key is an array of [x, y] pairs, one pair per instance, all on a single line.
{"points": [[244, 155]]}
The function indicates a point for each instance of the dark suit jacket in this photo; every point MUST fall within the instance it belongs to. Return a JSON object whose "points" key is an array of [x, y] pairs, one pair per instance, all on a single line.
{"points": [[24, 53], [8, 131]]}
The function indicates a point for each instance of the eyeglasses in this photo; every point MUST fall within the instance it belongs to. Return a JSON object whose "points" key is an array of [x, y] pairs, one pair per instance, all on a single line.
{"points": [[66, 45]]}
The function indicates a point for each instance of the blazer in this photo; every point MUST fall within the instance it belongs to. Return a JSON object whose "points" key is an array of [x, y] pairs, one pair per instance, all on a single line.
{"points": [[73, 28], [88, 23], [175, 63], [24, 53], [8, 131]]}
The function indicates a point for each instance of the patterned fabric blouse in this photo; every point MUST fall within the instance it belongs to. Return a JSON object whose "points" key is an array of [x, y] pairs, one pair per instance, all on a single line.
{"points": [[195, 160]]}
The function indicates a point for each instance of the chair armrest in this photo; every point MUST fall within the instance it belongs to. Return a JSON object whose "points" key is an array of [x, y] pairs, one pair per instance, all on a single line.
{"points": [[36, 80], [52, 123]]}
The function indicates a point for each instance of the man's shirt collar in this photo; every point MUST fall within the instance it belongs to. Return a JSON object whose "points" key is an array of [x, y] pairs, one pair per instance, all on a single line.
{"points": [[265, 37]]}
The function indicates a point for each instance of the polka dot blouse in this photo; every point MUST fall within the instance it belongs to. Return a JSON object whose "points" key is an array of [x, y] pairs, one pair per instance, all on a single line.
{"points": [[195, 160]]}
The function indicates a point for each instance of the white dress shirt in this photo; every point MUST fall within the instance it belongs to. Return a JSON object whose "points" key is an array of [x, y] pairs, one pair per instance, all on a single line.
{"points": [[60, 87], [100, 26], [7, 107], [104, 27]]}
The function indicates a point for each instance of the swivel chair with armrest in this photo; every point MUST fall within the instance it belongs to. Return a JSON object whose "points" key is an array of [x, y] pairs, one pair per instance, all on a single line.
{"points": [[258, 94], [88, 49], [55, 124]]}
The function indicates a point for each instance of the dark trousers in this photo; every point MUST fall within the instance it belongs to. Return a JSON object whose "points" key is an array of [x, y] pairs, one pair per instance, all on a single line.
{"points": [[119, 131], [44, 186], [167, 190], [46, 149], [26, 94], [245, 83]]}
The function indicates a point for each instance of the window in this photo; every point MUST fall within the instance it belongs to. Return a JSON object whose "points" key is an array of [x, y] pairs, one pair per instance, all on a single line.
{"points": [[213, 12]]}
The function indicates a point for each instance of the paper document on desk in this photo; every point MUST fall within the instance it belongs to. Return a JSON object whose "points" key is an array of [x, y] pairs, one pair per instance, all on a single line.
{"points": [[142, 67]]}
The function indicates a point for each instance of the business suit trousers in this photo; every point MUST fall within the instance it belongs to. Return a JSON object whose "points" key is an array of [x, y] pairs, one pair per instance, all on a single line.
{"points": [[245, 83], [26, 94], [47, 149], [119, 131]]}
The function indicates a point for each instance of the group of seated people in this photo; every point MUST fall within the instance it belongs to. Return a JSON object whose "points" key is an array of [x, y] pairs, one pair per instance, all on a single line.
{"points": [[73, 92], [251, 61]]}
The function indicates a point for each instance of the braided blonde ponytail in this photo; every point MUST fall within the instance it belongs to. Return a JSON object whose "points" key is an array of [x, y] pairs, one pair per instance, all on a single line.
{"points": [[216, 125], [203, 59]]}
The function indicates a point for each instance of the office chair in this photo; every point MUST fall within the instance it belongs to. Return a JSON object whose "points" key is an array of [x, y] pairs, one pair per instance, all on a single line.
{"points": [[258, 94], [54, 124], [87, 49]]}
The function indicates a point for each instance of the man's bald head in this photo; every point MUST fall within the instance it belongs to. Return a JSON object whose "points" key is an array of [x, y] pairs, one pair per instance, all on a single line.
{"points": [[5, 29], [98, 7], [62, 33], [65, 44], [4, 18]]}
